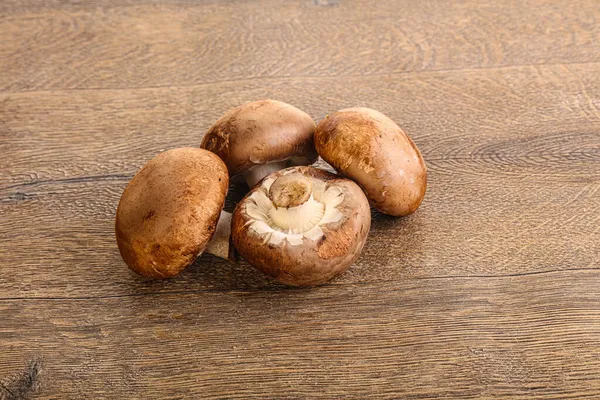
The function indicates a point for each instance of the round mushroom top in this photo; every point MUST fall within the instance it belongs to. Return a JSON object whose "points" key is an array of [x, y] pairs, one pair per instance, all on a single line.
{"points": [[262, 132], [299, 239], [369, 148], [169, 211]]}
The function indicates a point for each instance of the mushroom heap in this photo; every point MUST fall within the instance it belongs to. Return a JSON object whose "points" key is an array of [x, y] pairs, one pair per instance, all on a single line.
{"points": [[298, 224]]}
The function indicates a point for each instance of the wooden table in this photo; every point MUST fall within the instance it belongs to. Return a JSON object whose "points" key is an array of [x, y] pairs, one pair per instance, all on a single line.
{"points": [[490, 290]]}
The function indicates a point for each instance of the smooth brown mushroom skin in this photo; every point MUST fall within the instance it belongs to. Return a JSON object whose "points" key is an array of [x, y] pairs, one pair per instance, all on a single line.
{"points": [[169, 211], [261, 132], [371, 149], [314, 262]]}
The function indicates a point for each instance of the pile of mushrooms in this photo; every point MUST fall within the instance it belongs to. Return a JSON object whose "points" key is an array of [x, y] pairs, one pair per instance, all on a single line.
{"points": [[298, 224]]}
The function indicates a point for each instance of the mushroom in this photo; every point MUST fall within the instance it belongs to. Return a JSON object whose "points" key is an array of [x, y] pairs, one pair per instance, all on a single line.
{"points": [[369, 148], [171, 209], [261, 137], [302, 225]]}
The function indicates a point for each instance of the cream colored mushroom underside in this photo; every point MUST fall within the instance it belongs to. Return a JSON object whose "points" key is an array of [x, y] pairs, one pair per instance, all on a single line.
{"points": [[319, 210]]}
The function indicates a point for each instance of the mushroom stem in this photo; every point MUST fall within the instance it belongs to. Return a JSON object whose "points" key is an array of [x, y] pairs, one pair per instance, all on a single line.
{"points": [[295, 209], [298, 219], [255, 174], [219, 244]]}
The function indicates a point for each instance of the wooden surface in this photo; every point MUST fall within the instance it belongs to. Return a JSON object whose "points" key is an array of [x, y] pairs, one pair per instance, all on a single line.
{"points": [[490, 290]]}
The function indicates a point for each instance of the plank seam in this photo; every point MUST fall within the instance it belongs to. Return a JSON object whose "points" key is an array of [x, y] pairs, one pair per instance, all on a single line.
{"points": [[280, 288]]}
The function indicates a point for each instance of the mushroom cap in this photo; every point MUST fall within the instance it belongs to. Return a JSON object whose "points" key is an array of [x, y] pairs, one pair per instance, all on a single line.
{"points": [[169, 211], [262, 132], [315, 256], [369, 148]]}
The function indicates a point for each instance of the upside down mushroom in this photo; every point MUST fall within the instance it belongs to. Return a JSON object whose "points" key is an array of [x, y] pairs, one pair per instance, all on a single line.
{"points": [[171, 212], [302, 225], [261, 137], [369, 148]]}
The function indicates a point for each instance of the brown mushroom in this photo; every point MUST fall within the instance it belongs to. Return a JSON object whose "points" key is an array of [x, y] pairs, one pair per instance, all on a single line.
{"points": [[302, 225], [369, 148], [171, 209], [261, 137]]}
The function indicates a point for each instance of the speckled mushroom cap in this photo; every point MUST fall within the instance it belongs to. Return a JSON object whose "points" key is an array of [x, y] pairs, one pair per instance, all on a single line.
{"points": [[369, 148], [302, 231], [169, 211], [262, 132]]}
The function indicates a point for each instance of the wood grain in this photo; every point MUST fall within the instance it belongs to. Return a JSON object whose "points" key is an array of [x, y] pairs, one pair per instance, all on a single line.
{"points": [[466, 227], [123, 44], [72, 153], [490, 290], [513, 337], [482, 122]]}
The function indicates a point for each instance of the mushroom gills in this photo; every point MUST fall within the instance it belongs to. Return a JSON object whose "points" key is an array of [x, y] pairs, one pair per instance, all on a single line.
{"points": [[294, 224]]}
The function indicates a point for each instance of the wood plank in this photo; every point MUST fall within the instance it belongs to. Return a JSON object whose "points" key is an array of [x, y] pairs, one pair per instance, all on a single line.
{"points": [[506, 121], [58, 238], [490, 290], [514, 337], [514, 190], [116, 44]]}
